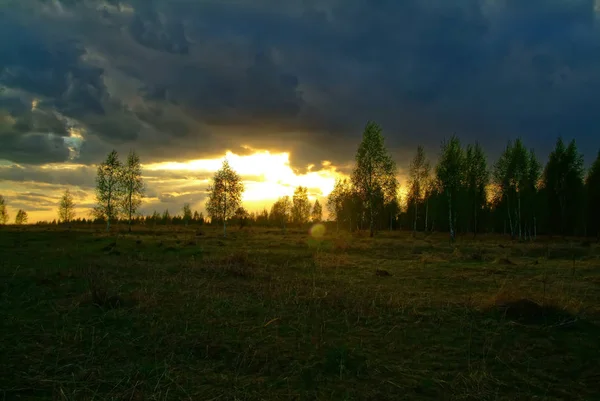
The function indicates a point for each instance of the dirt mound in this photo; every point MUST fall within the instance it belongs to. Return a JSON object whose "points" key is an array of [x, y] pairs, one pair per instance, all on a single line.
{"points": [[526, 311]]}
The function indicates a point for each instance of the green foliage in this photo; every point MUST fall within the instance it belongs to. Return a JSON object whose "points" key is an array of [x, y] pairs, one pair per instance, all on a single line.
{"points": [[450, 173], [242, 216], [21, 217], [477, 178], [563, 182], [109, 189], [451, 167], [335, 198], [66, 207], [419, 175], [281, 211], [300, 206], [316, 215], [133, 186], [516, 176], [225, 196], [3, 211], [187, 214], [345, 204], [374, 176]]}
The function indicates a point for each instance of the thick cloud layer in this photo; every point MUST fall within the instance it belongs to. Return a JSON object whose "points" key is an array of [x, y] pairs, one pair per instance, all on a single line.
{"points": [[190, 78]]}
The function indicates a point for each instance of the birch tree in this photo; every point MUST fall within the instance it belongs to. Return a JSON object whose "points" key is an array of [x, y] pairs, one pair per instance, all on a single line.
{"points": [[225, 195], [3, 211], [187, 214], [109, 188], [502, 181], [477, 178], [66, 207], [21, 217], [317, 212], [300, 206], [419, 171], [511, 173], [429, 193], [520, 177], [335, 200], [563, 182], [133, 186], [374, 175], [450, 176], [531, 190], [281, 211]]}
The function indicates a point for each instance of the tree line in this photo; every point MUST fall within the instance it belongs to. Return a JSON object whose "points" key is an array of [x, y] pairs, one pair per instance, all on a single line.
{"points": [[462, 193], [516, 195]]}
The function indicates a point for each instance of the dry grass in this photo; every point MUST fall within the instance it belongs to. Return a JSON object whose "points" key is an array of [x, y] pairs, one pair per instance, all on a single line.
{"points": [[164, 314]]}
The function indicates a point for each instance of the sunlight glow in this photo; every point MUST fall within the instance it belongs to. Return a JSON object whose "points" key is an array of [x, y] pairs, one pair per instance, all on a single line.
{"points": [[74, 142], [266, 175]]}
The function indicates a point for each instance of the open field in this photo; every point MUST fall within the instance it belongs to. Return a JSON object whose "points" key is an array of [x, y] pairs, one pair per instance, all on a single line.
{"points": [[186, 314]]}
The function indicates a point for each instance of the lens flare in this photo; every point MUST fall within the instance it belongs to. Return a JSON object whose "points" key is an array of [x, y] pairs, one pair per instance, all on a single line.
{"points": [[317, 231]]}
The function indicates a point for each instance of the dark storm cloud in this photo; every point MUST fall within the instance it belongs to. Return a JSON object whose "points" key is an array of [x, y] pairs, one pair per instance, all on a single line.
{"points": [[305, 76], [81, 176], [32, 148], [153, 30]]}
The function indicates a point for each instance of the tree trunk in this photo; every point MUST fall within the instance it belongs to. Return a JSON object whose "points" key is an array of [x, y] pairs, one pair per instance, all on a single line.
{"points": [[450, 219], [519, 215], [427, 214], [475, 216], [371, 223], [225, 214], [475, 223], [416, 215], [130, 207], [563, 213], [510, 224]]}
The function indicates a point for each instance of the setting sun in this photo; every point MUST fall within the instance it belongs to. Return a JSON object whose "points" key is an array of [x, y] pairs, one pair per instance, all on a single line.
{"points": [[267, 176]]}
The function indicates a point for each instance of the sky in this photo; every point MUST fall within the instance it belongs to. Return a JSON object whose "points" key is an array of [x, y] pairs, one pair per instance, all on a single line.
{"points": [[284, 88]]}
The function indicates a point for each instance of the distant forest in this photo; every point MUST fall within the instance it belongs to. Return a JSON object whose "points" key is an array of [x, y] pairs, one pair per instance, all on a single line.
{"points": [[463, 194]]}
